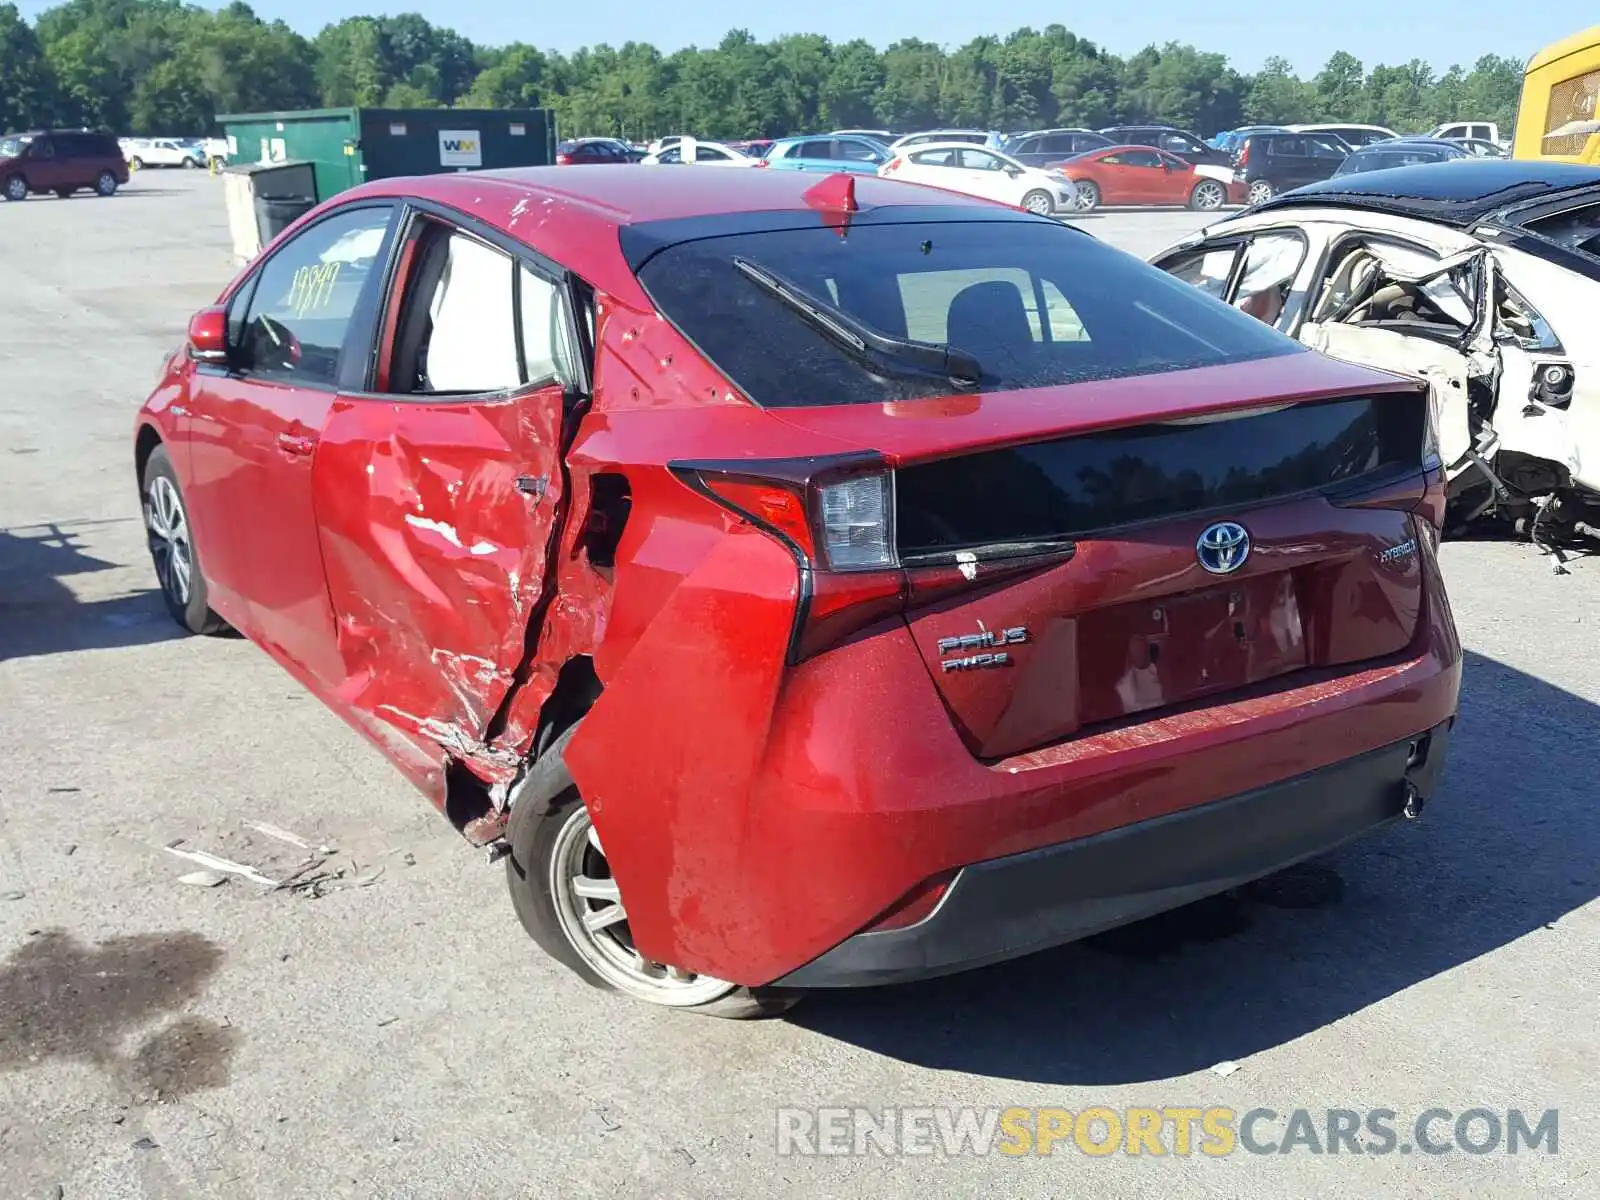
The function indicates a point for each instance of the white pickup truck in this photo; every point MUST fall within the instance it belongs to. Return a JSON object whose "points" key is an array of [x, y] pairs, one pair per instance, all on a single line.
{"points": [[1483, 131], [188, 153]]}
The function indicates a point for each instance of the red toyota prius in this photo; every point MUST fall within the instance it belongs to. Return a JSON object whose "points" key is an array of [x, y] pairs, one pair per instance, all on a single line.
{"points": [[809, 582]]}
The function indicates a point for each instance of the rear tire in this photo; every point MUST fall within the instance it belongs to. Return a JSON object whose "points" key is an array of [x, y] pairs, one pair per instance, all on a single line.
{"points": [[1088, 195], [190, 164], [16, 188], [1261, 189], [1040, 203], [166, 524], [1208, 196], [106, 184], [562, 891]]}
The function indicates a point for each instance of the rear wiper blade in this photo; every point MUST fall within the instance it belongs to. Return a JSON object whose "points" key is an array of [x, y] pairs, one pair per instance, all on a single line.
{"points": [[861, 339]]}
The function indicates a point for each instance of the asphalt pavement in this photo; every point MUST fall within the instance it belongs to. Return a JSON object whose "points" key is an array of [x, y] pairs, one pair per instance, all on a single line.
{"points": [[387, 1030]]}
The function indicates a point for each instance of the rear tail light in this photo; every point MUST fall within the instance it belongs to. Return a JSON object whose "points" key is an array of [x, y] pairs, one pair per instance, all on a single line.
{"points": [[1242, 159], [837, 517], [563, 160], [892, 165]]}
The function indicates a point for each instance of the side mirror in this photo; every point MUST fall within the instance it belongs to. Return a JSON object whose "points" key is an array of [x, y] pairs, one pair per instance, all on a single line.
{"points": [[1014, 172], [208, 335]]}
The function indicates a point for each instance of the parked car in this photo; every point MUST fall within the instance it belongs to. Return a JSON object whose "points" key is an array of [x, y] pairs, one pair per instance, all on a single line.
{"points": [[1401, 152], [846, 152], [1174, 141], [1138, 175], [188, 153], [963, 167], [756, 148], [661, 143], [1354, 136], [1048, 147], [1269, 163], [1483, 278], [1228, 141], [594, 151], [975, 137], [1479, 148], [704, 154], [877, 135], [1481, 131], [549, 508], [60, 161], [217, 151]]}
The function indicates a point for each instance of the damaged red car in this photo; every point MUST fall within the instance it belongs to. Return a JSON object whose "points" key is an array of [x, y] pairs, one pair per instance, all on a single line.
{"points": [[809, 583]]}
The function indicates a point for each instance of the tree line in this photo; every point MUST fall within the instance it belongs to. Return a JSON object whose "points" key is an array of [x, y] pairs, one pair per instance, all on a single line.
{"points": [[165, 67]]}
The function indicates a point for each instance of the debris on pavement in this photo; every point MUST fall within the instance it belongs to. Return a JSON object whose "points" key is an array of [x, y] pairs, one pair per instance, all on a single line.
{"points": [[598, 1121], [205, 879], [227, 866], [71, 849], [382, 1021], [368, 877], [1225, 1069], [283, 835], [146, 1143], [62, 791], [12, 895]]}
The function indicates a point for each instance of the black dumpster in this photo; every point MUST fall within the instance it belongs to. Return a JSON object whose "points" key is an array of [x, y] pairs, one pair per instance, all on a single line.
{"points": [[274, 214]]}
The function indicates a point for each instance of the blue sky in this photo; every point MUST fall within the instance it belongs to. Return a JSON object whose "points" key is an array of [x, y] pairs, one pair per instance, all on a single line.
{"points": [[1248, 31]]}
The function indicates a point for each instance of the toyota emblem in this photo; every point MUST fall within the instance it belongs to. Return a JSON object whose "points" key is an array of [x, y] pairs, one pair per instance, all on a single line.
{"points": [[1223, 547]]}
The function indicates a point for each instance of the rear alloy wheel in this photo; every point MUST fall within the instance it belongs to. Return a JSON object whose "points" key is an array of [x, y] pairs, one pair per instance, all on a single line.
{"points": [[564, 894], [1039, 203], [16, 188], [1208, 196], [106, 184], [166, 523], [1261, 190], [1088, 196], [190, 164], [136, 163]]}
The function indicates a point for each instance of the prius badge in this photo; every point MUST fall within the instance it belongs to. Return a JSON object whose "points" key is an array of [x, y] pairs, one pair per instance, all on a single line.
{"points": [[1223, 547], [982, 640]]}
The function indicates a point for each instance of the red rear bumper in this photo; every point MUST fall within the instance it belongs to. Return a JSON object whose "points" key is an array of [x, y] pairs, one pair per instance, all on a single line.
{"points": [[798, 820]]}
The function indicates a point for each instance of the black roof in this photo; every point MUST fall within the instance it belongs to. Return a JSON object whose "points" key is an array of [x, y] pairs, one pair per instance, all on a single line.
{"points": [[1416, 139], [1460, 193]]}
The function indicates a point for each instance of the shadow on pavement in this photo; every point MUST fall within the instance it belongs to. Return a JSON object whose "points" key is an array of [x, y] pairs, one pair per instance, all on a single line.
{"points": [[39, 614], [1507, 848]]}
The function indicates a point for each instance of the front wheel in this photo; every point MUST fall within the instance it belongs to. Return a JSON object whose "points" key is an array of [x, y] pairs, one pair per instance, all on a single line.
{"points": [[166, 523], [106, 184], [1039, 203], [1208, 196], [1261, 190], [564, 895], [190, 164], [1088, 196], [136, 163], [16, 188]]}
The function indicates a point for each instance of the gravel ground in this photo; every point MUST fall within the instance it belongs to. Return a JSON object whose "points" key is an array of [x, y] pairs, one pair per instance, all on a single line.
{"points": [[403, 1039]]}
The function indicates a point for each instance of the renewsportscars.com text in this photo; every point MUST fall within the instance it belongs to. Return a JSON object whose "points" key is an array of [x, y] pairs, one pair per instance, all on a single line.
{"points": [[1168, 1131]]}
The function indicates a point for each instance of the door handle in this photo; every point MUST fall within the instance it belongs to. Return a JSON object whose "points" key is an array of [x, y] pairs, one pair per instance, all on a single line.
{"points": [[533, 485], [296, 444]]}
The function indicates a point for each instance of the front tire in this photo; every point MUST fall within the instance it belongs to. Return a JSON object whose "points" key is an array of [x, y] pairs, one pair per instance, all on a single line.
{"points": [[1040, 203], [106, 184], [16, 188], [1261, 189], [1208, 196], [190, 164], [563, 893], [1088, 195], [172, 551]]}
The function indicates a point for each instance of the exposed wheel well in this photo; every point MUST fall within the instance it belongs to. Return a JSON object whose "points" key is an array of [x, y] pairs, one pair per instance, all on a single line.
{"points": [[577, 688], [143, 447]]}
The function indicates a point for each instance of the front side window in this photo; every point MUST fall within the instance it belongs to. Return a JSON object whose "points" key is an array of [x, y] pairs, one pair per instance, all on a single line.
{"points": [[814, 150], [982, 160], [854, 151], [1141, 158], [1208, 268], [1021, 304], [936, 158], [299, 306]]}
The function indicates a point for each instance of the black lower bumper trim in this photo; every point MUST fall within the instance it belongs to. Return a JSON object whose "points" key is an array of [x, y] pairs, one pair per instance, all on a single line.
{"points": [[1012, 906]]}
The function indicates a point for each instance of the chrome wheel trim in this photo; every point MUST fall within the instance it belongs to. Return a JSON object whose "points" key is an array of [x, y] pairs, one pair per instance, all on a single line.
{"points": [[106, 184], [170, 548], [1087, 199], [589, 907], [1260, 190], [17, 188], [1209, 195]]}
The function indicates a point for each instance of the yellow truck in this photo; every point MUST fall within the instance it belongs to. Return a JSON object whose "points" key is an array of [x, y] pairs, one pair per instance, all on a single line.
{"points": [[1557, 119]]}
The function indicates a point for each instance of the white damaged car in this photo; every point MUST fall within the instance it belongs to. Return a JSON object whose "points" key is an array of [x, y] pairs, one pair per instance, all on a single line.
{"points": [[1481, 276]]}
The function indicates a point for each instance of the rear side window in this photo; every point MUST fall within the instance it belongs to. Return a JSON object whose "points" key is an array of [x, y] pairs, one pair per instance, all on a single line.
{"points": [[1576, 229], [1034, 303], [813, 150]]}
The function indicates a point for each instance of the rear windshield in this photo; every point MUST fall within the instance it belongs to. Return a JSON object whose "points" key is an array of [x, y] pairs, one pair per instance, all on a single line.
{"points": [[1035, 303]]}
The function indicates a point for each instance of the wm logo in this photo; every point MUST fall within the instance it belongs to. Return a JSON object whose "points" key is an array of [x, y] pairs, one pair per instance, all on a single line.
{"points": [[460, 144]]}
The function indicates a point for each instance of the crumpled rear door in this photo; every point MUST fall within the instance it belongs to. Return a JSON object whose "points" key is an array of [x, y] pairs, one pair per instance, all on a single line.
{"points": [[436, 520]]}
